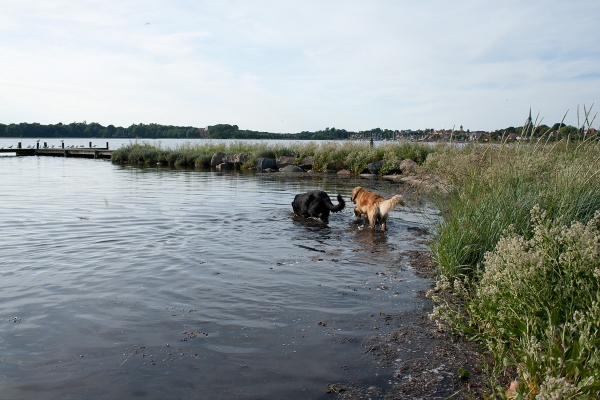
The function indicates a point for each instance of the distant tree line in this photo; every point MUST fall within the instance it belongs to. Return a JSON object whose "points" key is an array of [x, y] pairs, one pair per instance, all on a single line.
{"points": [[95, 130], [226, 131], [156, 131]]}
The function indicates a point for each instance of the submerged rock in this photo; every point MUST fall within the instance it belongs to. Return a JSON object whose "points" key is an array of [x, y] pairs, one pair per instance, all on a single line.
{"points": [[224, 166], [368, 176], [291, 168]]}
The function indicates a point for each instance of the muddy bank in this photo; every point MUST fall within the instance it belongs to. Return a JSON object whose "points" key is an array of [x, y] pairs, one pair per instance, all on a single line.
{"points": [[416, 360]]}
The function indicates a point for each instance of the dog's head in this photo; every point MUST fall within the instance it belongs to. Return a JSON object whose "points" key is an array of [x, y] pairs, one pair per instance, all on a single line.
{"points": [[355, 193]]}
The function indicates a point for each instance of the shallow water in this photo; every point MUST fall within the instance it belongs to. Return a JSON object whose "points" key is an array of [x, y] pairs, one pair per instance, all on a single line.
{"points": [[115, 143], [120, 282]]}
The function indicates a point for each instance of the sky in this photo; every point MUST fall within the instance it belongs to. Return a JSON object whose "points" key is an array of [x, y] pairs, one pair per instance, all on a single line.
{"points": [[291, 66]]}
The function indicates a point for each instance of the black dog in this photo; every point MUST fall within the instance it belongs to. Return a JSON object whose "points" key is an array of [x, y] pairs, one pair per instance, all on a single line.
{"points": [[316, 204]]}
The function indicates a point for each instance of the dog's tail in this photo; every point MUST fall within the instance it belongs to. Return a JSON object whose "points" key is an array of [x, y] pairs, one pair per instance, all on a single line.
{"points": [[388, 205], [340, 206]]}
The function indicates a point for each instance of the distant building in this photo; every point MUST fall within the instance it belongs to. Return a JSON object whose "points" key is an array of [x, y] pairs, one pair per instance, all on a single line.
{"points": [[528, 127]]}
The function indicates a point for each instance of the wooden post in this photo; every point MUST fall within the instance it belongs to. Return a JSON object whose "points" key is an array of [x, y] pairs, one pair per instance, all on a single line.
{"points": [[45, 145], [95, 154], [90, 145], [37, 145], [19, 145], [62, 145], [106, 145]]}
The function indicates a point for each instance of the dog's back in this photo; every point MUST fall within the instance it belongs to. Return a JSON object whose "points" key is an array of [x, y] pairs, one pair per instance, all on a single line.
{"points": [[374, 206], [317, 204]]}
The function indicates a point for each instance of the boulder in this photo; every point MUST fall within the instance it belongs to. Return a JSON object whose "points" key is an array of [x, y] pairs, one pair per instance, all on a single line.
{"points": [[407, 166], [393, 178], [374, 167], [269, 170], [264, 163], [344, 172], [224, 166], [427, 183], [307, 162], [284, 161], [368, 176], [238, 158], [291, 168], [216, 159]]}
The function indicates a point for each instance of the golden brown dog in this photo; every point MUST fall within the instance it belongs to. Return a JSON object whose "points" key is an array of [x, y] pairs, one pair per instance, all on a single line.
{"points": [[374, 206]]}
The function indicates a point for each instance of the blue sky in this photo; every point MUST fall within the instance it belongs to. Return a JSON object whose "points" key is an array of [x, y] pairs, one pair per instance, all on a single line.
{"points": [[299, 65]]}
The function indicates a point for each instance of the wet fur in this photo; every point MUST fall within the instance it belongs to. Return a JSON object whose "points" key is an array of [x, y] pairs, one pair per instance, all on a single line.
{"points": [[316, 204], [374, 206]]}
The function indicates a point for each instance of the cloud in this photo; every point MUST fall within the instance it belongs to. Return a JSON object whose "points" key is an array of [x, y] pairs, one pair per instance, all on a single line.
{"points": [[349, 64]]}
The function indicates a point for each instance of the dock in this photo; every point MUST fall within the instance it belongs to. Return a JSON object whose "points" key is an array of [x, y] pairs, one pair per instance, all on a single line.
{"points": [[63, 151]]}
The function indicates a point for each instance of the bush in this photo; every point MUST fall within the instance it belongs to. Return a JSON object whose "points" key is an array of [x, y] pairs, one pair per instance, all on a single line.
{"points": [[357, 160], [538, 302]]}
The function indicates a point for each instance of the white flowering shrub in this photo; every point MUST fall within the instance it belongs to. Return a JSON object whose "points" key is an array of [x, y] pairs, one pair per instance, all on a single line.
{"points": [[538, 306]]}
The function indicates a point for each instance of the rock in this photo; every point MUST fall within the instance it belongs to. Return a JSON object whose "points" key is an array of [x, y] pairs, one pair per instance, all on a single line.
{"points": [[407, 166], [216, 159], [291, 168], [269, 170], [368, 176], [264, 163], [374, 167], [238, 158], [427, 183], [344, 172], [393, 178], [224, 166], [284, 161], [306, 163]]}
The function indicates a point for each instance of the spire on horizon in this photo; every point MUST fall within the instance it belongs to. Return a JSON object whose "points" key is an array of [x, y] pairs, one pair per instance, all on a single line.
{"points": [[529, 123]]}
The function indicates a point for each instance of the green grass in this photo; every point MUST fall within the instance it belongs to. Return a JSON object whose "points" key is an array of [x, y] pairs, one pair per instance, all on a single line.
{"points": [[519, 246]]}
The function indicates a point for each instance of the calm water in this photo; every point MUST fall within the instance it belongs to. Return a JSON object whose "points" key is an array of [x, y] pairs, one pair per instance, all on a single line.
{"points": [[165, 143], [121, 282]]}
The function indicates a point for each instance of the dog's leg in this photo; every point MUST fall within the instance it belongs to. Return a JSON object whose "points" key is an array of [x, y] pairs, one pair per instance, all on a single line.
{"points": [[357, 212], [372, 215], [384, 223]]}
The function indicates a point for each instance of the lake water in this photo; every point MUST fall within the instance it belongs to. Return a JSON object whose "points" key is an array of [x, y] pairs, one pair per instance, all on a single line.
{"points": [[126, 282], [115, 143]]}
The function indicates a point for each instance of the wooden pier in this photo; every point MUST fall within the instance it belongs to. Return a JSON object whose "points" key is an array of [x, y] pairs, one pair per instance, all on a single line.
{"points": [[63, 151]]}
